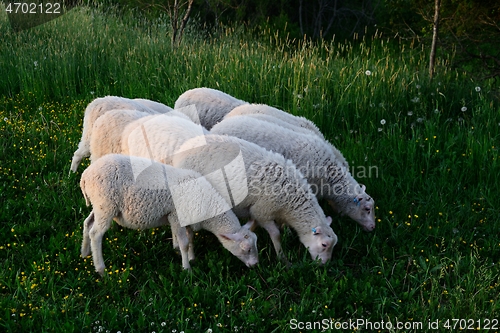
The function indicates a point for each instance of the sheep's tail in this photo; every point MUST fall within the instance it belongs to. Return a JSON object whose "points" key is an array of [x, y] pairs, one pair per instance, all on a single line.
{"points": [[82, 187]]}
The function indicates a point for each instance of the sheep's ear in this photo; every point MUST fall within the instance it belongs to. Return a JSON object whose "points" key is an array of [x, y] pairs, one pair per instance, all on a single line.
{"points": [[363, 188], [232, 237], [328, 220], [250, 225]]}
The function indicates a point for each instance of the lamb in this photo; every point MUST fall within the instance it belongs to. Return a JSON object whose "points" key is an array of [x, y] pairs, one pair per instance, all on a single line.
{"points": [[100, 106], [211, 104], [262, 109], [277, 192], [108, 130], [140, 194], [327, 175]]}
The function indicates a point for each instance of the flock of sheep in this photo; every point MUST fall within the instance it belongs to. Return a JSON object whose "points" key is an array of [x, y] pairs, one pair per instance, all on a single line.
{"points": [[206, 163]]}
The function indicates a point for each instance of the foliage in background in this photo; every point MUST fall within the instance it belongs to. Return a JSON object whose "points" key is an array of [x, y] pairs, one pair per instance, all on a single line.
{"points": [[470, 28], [431, 149]]}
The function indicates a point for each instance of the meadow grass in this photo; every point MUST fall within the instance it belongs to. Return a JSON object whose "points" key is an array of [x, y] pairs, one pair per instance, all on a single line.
{"points": [[426, 150]]}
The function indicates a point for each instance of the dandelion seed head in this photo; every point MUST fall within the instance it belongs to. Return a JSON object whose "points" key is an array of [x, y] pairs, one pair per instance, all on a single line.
{"points": [[379, 129], [382, 122], [418, 86], [368, 73], [410, 113], [478, 89], [463, 109]]}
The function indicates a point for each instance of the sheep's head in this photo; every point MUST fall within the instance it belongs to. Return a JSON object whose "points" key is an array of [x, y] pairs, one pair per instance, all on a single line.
{"points": [[359, 206], [320, 241], [242, 244]]}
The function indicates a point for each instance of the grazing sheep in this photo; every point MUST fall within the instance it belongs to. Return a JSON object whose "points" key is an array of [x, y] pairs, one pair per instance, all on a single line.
{"points": [[328, 176], [100, 106], [211, 104], [139, 194], [254, 109], [277, 191], [108, 130]]}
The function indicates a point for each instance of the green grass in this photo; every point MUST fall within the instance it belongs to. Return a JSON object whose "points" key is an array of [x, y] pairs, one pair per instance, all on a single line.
{"points": [[434, 255]]}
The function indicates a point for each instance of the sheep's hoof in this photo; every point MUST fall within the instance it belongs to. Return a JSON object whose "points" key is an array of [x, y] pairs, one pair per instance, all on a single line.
{"points": [[85, 253], [100, 271]]}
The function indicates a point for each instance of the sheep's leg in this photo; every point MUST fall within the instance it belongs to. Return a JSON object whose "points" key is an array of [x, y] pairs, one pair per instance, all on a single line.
{"points": [[87, 225], [82, 151], [96, 233], [175, 243], [274, 233], [190, 236], [183, 242]]}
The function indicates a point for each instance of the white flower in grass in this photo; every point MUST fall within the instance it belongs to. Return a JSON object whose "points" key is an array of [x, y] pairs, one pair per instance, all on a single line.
{"points": [[163, 324], [420, 120], [415, 100], [379, 129], [35, 63], [478, 89], [209, 330], [368, 73], [463, 109], [436, 111], [418, 86], [382, 122], [410, 113], [5, 119]]}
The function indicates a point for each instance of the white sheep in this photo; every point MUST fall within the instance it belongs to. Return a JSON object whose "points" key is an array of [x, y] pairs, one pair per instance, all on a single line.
{"points": [[108, 130], [100, 106], [211, 104], [263, 109], [327, 175], [139, 194], [277, 192], [162, 138]]}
